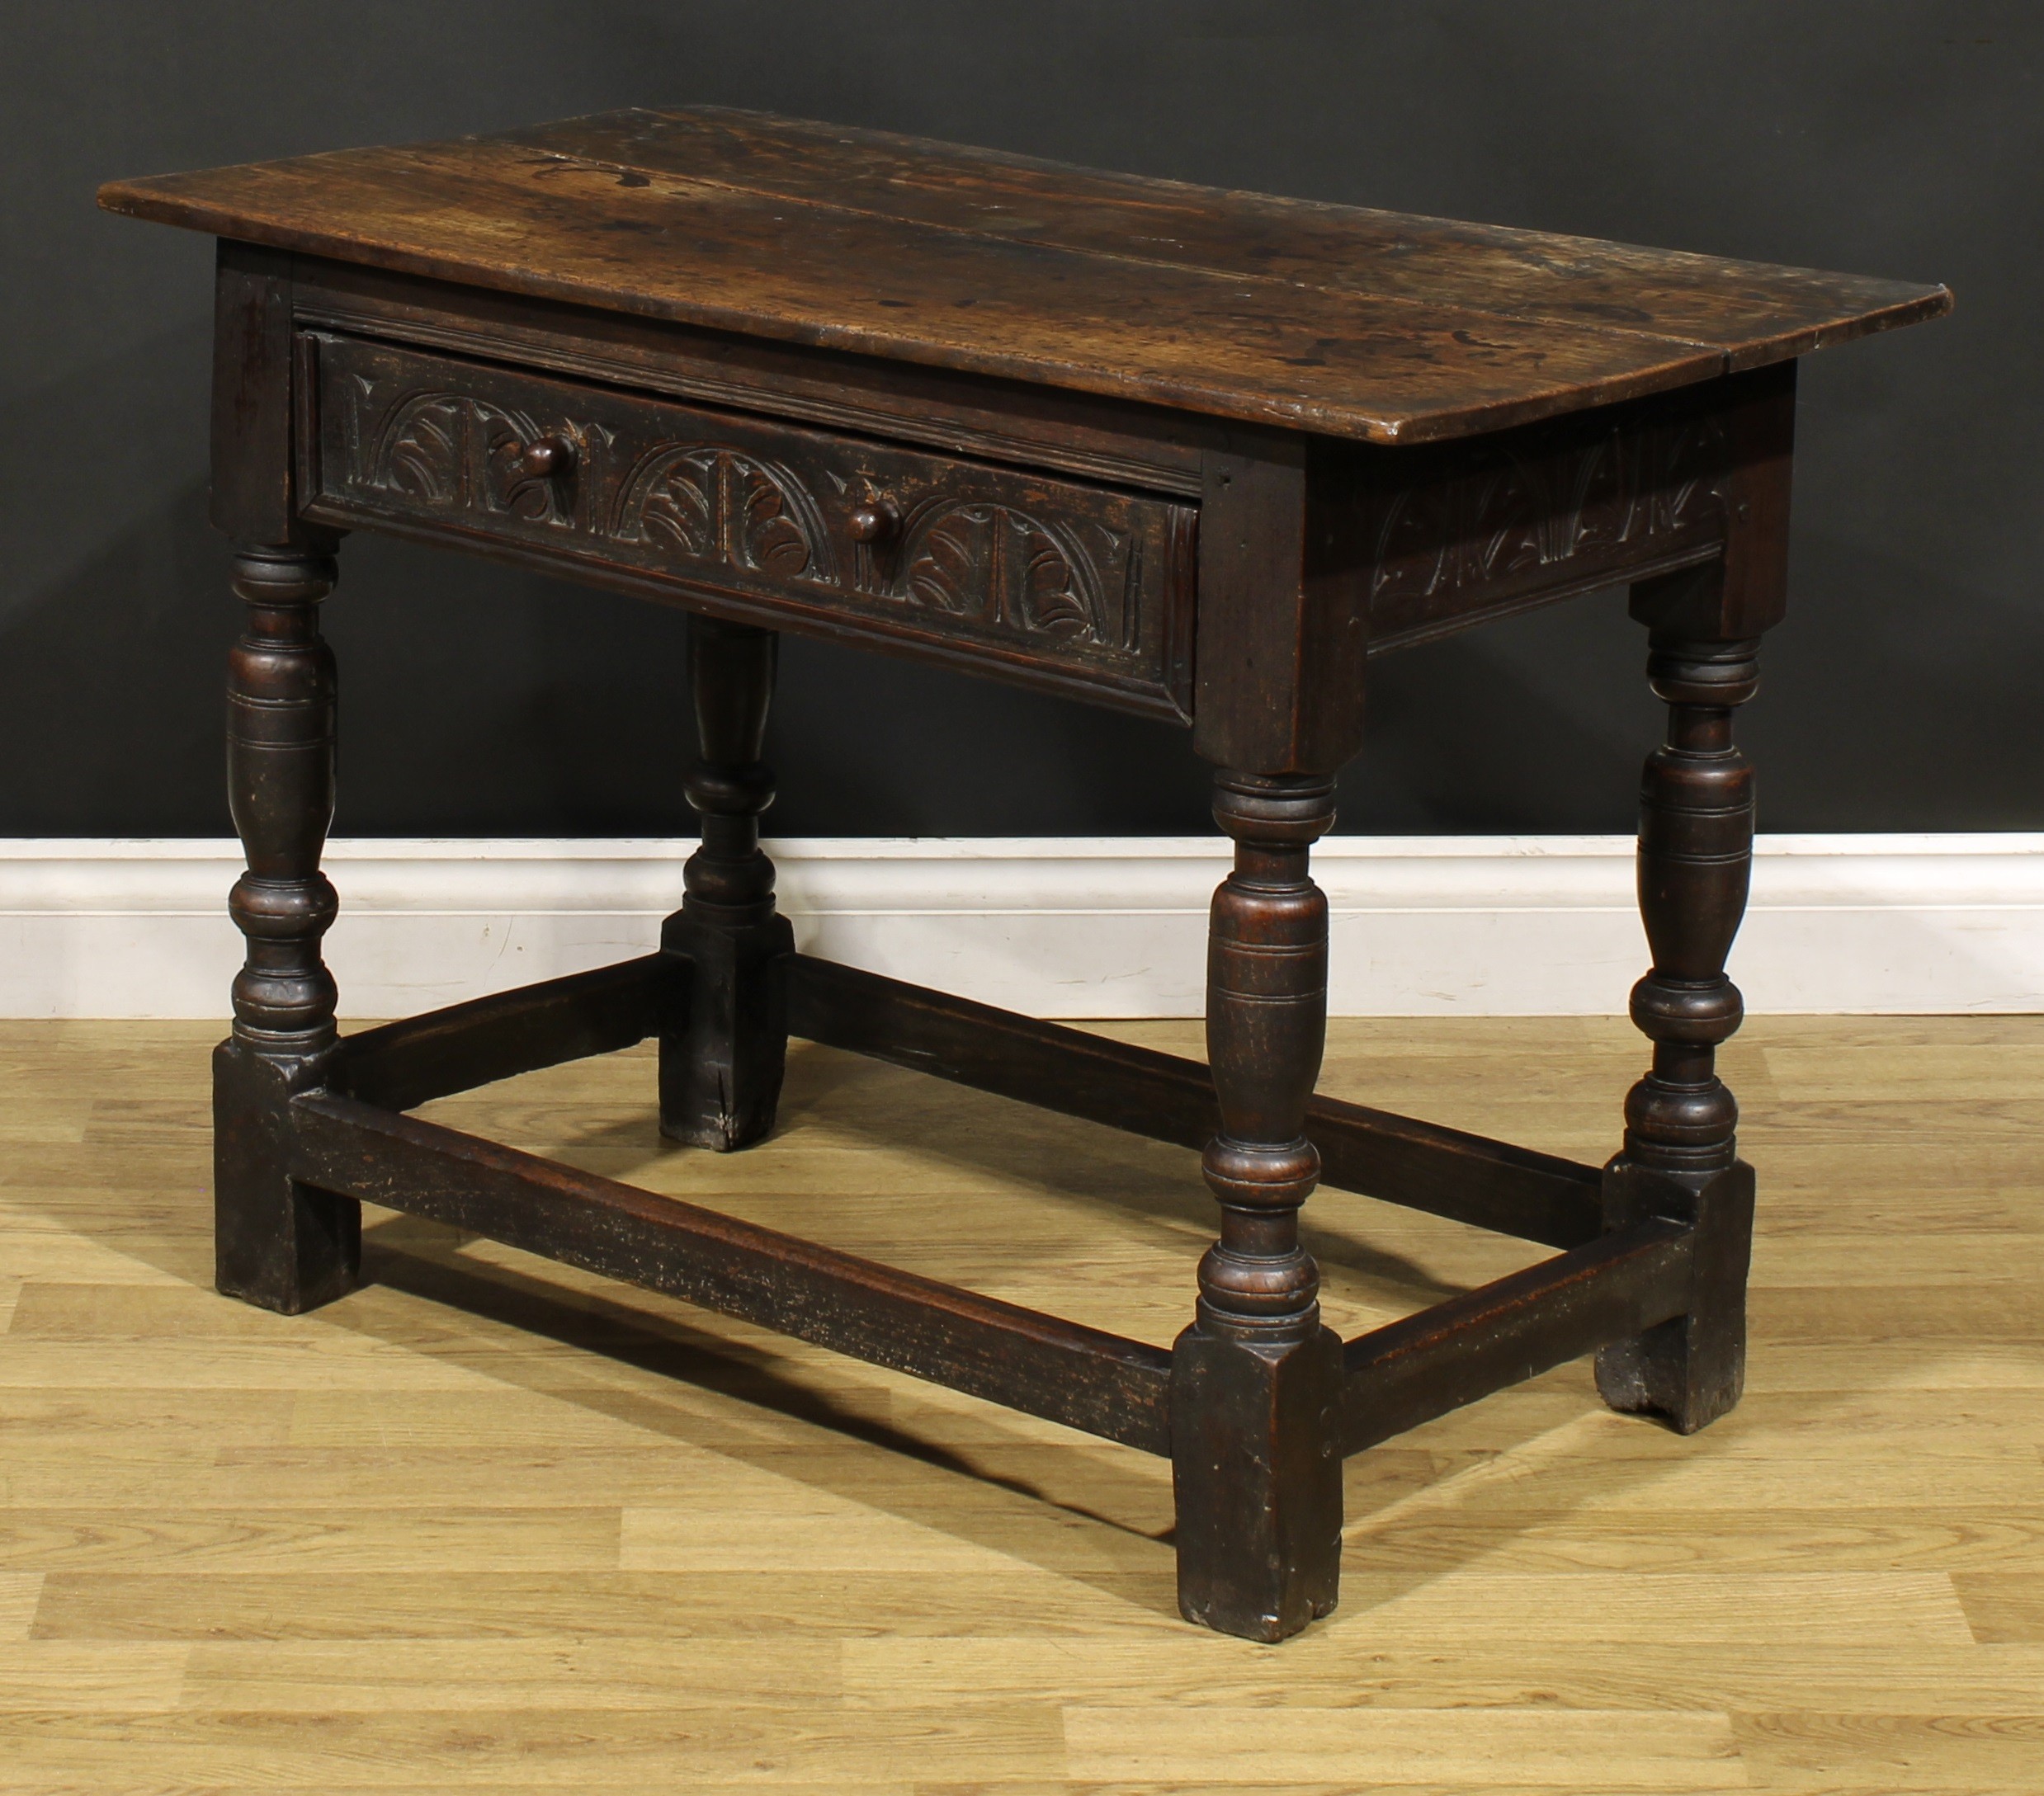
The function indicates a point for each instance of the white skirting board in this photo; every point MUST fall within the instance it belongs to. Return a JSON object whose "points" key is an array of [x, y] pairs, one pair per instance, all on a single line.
{"points": [[1076, 927]]}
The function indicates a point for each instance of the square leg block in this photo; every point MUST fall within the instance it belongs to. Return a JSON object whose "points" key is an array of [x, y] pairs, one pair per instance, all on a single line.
{"points": [[278, 1243], [723, 1059], [1691, 1370], [1256, 1461]]}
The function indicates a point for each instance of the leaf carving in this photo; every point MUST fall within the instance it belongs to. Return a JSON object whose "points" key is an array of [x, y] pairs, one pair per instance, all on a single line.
{"points": [[1003, 568], [1052, 599], [1504, 534], [418, 451], [1413, 547], [712, 503], [1527, 507], [773, 541], [675, 504], [446, 449], [1603, 505], [949, 560]]}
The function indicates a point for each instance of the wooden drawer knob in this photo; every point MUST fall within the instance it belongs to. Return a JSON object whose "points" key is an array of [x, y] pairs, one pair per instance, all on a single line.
{"points": [[875, 521], [547, 457]]}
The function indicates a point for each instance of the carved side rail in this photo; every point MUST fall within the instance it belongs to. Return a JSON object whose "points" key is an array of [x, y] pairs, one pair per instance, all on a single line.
{"points": [[1450, 534], [1088, 1379], [401, 1065], [1502, 1333], [1167, 1097]]}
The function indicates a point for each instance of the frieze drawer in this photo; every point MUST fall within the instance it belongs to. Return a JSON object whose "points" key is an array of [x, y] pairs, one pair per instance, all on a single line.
{"points": [[1050, 580]]}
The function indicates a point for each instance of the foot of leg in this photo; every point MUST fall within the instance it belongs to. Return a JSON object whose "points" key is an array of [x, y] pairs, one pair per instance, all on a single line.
{"points": [[1257, 1476], [277, 1244], [721, 1061], [1691, 1370]]}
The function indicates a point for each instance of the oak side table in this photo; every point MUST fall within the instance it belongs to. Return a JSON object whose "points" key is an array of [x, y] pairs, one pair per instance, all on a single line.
{"points": [[1196, 454]]}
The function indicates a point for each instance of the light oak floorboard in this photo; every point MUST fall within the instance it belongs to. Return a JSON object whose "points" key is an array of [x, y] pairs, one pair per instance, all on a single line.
{"points": [[491, 1524], [20, 1593]]}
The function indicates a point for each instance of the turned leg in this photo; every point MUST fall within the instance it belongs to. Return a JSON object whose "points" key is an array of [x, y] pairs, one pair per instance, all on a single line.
{"points": [[1680, 1155], [278, 1243], [721, 1061], [1256, 1379]]}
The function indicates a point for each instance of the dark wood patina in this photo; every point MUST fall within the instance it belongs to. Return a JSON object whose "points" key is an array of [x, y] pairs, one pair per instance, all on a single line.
{"points": [[1192, 454]]}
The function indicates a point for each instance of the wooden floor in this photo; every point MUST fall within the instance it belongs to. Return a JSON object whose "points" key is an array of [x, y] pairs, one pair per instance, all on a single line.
{"points": [[489, 1525]]}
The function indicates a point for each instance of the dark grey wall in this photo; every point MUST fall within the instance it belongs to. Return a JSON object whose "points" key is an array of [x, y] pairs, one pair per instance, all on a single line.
{"points": [[1892, 138]]}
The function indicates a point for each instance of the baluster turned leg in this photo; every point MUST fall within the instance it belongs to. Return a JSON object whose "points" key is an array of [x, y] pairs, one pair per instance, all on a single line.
{"points": [[278, 1243], [1256, 1379], [721, 1063], [1680, 1156]]}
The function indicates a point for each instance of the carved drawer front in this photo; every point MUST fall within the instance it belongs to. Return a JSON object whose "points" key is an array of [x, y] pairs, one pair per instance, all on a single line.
{"points": [[1046, 579]]}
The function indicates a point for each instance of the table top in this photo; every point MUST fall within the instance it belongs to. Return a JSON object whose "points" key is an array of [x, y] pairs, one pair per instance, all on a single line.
{"points": [[1382, 325]]}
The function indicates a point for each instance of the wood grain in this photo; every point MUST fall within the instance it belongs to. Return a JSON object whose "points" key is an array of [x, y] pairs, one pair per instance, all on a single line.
{"points": [[488, 1523], [1356, 323]]}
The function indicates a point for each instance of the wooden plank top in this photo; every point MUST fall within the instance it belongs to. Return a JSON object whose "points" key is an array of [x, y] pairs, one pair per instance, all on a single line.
{"points": [[1383, 326]]}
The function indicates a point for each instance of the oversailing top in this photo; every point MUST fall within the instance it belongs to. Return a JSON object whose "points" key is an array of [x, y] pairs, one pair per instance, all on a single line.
{"points": [[1353, 323]]}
